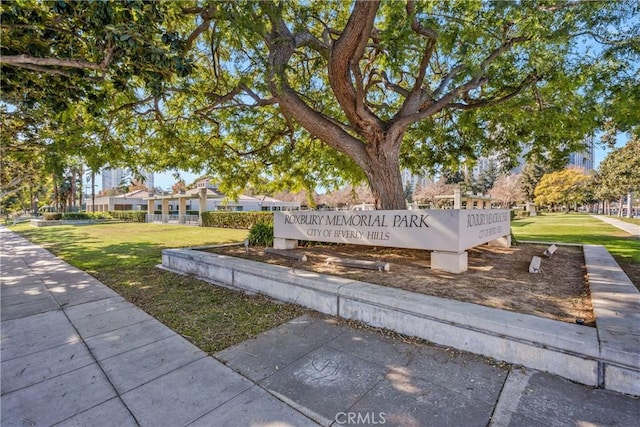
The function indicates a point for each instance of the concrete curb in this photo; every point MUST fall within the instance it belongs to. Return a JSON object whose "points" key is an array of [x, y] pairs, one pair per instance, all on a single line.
{"points": [[571, 351], [616, 305]]}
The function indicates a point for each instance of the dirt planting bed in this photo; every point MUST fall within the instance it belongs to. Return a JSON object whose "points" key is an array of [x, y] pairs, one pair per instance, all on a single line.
{"points": [[497, 277]]}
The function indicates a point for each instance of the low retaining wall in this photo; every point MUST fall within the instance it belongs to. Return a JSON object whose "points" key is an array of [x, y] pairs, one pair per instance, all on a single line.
{"points": [[569, 350]]}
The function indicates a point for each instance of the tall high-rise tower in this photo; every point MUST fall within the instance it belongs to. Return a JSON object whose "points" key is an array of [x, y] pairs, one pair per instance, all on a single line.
{"points": [[113, 178], [583, 160]]}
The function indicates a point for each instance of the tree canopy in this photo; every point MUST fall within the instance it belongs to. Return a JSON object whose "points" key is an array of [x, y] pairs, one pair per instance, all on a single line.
{"points": [[311, 93], [619, 172], [508, 190], [565, 187]]}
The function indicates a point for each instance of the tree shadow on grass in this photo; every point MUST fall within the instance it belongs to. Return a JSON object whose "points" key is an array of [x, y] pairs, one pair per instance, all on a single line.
{"points": [[90, 253]]}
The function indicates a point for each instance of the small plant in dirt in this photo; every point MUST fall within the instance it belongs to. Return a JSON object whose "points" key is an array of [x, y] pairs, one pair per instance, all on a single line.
{"points": [[261, 234]]}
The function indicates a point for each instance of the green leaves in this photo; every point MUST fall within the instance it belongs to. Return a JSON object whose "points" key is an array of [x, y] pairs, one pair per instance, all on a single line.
{"points": [[566, 187], [199, 86], [619, 172]]}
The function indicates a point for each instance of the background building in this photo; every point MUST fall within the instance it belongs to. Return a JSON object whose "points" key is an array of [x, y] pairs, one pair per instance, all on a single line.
{"points": [[114, 178], [583, 160], [414, 181]]}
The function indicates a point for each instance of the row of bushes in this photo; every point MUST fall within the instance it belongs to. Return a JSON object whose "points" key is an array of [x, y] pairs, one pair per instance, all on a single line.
{"points": [[240, 220], [75, 216], [177, 212], [129, 216]]}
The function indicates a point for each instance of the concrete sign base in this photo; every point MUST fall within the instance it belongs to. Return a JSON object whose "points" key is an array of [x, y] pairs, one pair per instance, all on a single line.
{"points": [[446, 232], [450, 261]]}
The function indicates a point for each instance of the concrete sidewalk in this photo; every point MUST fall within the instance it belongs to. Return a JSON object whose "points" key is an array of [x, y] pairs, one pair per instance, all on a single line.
{"points": [[74, 353], [632, 229]]}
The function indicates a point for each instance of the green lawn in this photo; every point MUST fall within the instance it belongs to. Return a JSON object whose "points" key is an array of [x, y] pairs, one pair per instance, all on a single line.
{"points": [[124, 255], [579, 228]]}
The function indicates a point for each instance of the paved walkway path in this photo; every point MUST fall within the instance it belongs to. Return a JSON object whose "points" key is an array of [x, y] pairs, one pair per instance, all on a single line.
{"points": [[74, 353], [633, 229]]}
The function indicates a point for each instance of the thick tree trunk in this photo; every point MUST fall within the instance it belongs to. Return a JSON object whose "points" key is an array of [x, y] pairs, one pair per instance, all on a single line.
{"points": [[382, 169], [376, 147]]}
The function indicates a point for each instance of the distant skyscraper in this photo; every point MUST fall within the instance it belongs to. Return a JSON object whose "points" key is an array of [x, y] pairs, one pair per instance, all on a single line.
{"points": [[113, 178], [148, 179], [414, 180], [583, 160], [485, 163]]}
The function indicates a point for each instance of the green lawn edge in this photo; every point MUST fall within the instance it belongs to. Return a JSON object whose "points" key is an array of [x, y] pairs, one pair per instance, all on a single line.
{"points": [[124, 256], [581, 229]]}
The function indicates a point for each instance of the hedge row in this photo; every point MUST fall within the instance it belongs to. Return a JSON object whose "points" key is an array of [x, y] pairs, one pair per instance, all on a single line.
{"points": [[240, 220], [75, 216], [177, 212], [129, 216]]}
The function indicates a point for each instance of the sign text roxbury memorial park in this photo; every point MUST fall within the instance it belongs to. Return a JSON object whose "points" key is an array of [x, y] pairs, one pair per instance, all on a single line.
{"points": [[450, 230]]}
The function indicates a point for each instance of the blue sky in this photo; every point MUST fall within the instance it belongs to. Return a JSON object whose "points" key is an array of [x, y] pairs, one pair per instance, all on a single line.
{"points": [[165, 180]]}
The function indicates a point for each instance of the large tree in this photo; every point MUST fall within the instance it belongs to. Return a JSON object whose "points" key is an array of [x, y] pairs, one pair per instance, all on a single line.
{"points": [[306, 92], [508, 190], [563, 188], [619, 173]]}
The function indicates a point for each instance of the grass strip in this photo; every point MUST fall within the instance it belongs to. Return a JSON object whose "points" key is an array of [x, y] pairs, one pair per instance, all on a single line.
{"points": [[582, 229], [123, 256], [635, 221]]}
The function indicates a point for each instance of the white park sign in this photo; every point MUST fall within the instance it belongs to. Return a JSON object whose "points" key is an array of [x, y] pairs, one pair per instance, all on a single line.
{"points": [[443, 230]]}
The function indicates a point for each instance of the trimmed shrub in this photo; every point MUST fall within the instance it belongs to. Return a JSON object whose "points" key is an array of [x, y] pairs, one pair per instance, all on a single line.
{"points": [[75, 216], [261, 234], [53, 216], [129, 216], [101, 215], [239, 220]]}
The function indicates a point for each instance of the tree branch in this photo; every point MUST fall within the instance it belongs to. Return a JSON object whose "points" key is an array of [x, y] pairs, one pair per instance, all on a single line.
{"points": [[393, 86], [347, 52], [447, 79], [281, 48], [478, 103], [22, 60], [130, 105], [259, 101], [499, 51], [305, 38], [416, 26], [418, 96], [41, 69], [196, 33], [272, 140]]}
